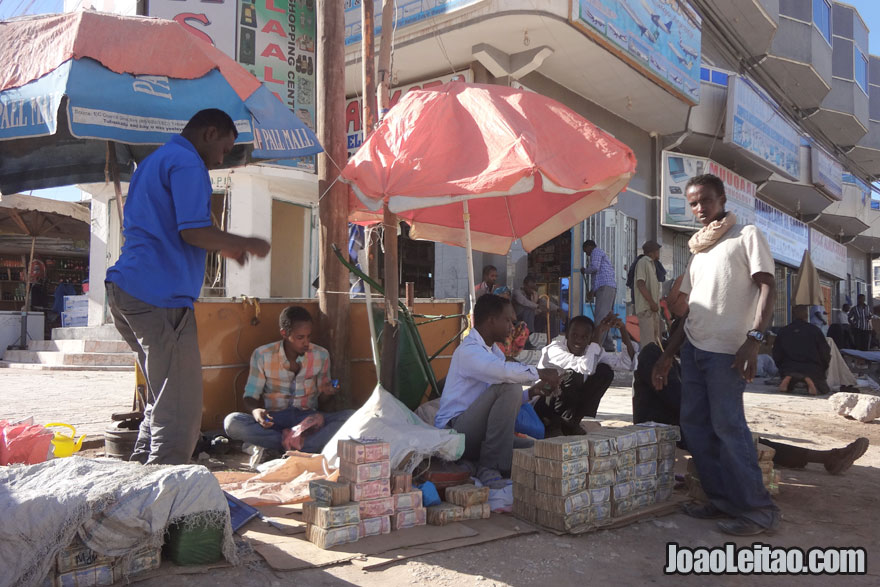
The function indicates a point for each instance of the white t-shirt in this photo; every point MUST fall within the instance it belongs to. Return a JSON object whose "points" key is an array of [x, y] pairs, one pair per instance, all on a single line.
{"points": [[723, 298]]}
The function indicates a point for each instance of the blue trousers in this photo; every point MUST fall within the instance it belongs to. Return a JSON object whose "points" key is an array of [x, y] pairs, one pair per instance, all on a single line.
{"points": [[241, 426], [713, 422]]}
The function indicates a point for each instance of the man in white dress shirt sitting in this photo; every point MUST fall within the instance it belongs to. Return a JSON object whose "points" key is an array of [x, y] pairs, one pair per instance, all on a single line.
{"points": [[483, 392], [586, 371]]}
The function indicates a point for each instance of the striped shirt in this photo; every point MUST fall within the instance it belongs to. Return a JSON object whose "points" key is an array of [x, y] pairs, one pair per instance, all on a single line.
{"points": [[601, 269], [860, 317], [272, 379]]}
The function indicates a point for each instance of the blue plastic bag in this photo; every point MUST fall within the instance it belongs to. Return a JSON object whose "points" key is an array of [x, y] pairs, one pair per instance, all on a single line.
{"points": [[429, 494], [528, 422]]}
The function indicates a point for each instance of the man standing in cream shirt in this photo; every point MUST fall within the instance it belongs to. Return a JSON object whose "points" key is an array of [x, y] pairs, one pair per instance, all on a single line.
{"points": [[646, 294], [731, 290]]}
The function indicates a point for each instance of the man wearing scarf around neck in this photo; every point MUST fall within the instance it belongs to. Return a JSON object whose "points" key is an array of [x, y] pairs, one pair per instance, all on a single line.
{"points": [[731, 290]]}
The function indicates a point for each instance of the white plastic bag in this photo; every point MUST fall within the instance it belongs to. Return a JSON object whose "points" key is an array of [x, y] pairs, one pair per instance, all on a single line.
{"points": [[384, 417]]}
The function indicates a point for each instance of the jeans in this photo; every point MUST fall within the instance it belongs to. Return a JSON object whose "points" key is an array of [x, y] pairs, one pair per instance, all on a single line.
{"points": [[713, 421], [241, 426], [167, 348]]}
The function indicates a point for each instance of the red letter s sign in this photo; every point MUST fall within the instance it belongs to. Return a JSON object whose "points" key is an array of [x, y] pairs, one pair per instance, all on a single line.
{"points": [[184, 19]]}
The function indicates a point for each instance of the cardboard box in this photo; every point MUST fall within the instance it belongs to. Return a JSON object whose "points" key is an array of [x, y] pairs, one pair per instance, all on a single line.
{"points": [[550, 468], [374, 508], [401, 481], [104, 570], [480, 511], [355, 473], [370, 489], [358, 451], [407, 501], [594, 480], [330, 517], [79, 556], [409, 519], [562, 448], [560, 485], [563, 505], [444, 513], [524, 458], [329, 493], [465, 495], [330, 537], [374, 526]]}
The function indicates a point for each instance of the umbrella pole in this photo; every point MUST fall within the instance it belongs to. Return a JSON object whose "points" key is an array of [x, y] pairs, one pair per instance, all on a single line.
{"points": [[117, 187], [22, 343], [390, 330], [466, 216]]}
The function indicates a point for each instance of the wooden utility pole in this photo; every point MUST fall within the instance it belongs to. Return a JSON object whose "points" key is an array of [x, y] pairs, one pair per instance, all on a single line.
{"points": [[333, 286], [389, 220], [368, 118]]}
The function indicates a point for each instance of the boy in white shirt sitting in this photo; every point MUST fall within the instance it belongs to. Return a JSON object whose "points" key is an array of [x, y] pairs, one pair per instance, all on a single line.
{"points": [[586, 371]]}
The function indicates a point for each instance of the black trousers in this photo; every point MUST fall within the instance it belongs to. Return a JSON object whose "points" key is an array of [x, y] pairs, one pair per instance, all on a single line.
{"points": [[579, 397], [648, 404], [862, 338]]}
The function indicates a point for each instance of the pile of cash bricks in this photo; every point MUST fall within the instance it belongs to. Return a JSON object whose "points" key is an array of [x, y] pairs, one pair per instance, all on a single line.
{"points": [[771, 477], [369, 498], [578, 483]]}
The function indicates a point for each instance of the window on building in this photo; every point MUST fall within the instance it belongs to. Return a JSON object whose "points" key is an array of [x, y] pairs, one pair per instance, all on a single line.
{"points": [[822, 17], [861, 65], [714, 76]]}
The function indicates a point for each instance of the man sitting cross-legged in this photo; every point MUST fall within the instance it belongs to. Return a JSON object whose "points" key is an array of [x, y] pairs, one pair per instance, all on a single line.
{"points": [[586, 372], [483, 392], [281, 395]]}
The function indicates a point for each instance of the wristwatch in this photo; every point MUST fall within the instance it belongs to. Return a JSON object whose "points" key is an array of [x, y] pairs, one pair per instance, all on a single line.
{"points": [[757, 335]]}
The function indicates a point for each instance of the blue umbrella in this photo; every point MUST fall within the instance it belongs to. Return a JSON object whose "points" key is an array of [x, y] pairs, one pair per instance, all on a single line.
{"points": [[86, 89]]}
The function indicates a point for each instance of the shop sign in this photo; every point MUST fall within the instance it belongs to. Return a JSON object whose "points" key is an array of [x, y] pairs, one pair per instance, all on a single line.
{"points": [[828, 255], [788, 236], [354, 107], [408, 12], [679, 168], [276, 43], [660, 38], [213, 22], [755, 124], [827, 173]]}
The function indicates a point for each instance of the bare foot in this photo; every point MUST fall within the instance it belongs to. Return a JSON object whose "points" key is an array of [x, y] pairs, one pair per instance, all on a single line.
{"points": [[783, 386], [811, 387]]}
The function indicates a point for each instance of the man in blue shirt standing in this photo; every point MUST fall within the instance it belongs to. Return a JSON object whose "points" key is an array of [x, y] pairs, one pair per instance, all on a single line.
{"points": [[604, 283], [168, 230]]}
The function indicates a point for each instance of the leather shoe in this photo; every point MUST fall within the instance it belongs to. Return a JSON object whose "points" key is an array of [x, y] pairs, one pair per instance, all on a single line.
{"points": [[844, 458], [703, 511]]}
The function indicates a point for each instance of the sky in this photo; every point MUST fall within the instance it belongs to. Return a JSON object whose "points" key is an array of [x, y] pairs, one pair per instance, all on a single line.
{"points": [[868, 9]]}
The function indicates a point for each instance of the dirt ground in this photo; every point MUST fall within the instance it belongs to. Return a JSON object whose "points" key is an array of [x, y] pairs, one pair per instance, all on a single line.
{"points": [[819, 510]]}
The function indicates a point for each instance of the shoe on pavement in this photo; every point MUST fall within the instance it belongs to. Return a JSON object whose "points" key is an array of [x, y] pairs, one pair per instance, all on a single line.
{"points": [[746, 527], [843, 458], [702, 511]]}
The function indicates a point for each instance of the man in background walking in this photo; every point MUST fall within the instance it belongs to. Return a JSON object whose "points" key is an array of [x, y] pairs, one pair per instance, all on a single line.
{"points": [[860, 320]]}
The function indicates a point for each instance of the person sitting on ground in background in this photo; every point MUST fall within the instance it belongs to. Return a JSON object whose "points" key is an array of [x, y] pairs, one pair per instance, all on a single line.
{"points": [[840, 331], [664, 406], [802, 354], [483, 392], [490, 276], [860, 321], [516, 342], [528, 307], [585, 370], [647, 294], [287, 378]]}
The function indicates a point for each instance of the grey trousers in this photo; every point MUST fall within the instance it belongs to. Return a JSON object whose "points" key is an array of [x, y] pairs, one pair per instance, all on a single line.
{"points": [[488, 425], [167, 347], [604, 304]]}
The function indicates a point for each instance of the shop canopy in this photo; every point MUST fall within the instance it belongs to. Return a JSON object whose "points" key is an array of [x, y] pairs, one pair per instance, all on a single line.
{"points": [[72, 82]]}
